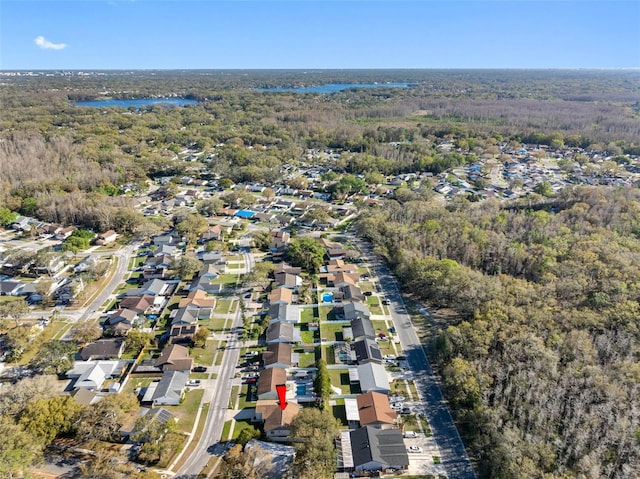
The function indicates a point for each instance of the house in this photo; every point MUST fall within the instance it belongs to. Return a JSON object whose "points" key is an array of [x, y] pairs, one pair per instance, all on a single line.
{"points": [[378, 449], [277, 422], [362, 328], [339, 280], [91, 375], [203, 283], [339, 266], [64, 233], [199, 298], [374, 410], [287, 268], [22, 223], [211, 257], [355, 310], [351, 293], [174, 358], [170, 389], [103, 349], [271, 460], [281, 295], [373, 377], [337, 253], [157, 288], [282, 332], [286, 280], [268, 380], [121, 321], [171, 238], [85, 264], [284, 205], [277, 355], [210, 271], [85, 397], [214, 233], [155, 418], [184, 324], [367, 351], [139, 304], [289, 313], [10, 287], [107, 237], [279, 241]]}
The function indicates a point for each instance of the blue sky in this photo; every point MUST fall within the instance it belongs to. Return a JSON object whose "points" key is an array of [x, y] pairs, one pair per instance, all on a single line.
{"points": [[148, 34]]}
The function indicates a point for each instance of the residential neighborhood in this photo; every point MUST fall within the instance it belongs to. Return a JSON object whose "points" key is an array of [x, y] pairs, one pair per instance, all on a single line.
{"points": [[170, 308]]}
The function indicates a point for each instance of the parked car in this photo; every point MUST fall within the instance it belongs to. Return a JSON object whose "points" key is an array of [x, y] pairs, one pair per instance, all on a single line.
{"points": [[193, 382], [405, 410], [410, 434], [386, 302], [199, 369], [367, 293], [414, 449]]}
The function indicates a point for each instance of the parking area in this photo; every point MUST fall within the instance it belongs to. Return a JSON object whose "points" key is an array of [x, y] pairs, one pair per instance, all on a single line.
{"points": [[424, 456]]}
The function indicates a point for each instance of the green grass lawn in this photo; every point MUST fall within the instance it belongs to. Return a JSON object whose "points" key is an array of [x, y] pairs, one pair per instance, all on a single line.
{"points": [[380, 326], [324, 312], [234, 266], [204, 355], [186, 411], [215, 324], [244, 402], [239, 427], [307, 360], [331, 331], [340, 379], [307, 336], [229, 280], [365, 286], [308, 315], [327, 354], [224, 306], [374, 305]]}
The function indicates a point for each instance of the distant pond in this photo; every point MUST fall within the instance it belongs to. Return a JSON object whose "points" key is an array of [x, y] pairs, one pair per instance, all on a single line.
{"points": [[336, 87], [137, 102]]}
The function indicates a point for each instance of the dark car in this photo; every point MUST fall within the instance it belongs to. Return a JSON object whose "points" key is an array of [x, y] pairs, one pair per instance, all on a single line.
{"points": [[199, 369], [405, 410], [386, 301], [367, 293]]}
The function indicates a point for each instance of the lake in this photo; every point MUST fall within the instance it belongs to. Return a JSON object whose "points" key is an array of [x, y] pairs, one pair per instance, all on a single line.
{"points": [[137, 102], [336, 87]]}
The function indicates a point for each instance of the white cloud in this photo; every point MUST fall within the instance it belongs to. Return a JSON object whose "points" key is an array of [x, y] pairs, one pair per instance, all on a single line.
{"points": [[47, 45]]}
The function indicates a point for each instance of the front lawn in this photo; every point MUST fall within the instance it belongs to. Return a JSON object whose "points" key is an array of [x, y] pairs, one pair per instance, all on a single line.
{"points": [[187, 410]]}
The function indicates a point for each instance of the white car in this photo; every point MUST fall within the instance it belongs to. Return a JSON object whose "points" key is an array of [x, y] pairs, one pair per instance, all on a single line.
{"points": [[410, 434], [416, 449]]}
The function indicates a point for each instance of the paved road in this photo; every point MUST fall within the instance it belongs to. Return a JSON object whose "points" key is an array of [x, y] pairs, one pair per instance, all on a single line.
{"points": [[83, 314], [453, 454], [218, 408]]}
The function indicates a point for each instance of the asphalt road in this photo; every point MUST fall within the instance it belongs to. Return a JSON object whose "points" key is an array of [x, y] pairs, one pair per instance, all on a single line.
{"points": [[216, 417], [81, 315], [453, 454]]}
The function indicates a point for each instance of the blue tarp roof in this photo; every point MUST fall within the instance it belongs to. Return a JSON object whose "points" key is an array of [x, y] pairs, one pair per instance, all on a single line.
{"points": [[245, 213]]}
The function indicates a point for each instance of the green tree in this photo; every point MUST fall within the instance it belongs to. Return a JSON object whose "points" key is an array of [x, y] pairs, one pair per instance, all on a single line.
{"points": [[7, 216], [137, 340], [102, 421], [85, 332], [54, 357], [185, 266], [127, 220], [201, 336], [322, 382], [316, 430], [15, 310], [307, 253], [261, 240], [45, 419], [18, 450], [544, 188], [192, 227]]}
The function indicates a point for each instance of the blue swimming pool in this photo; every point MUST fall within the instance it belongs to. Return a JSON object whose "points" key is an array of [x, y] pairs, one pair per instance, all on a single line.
{"points": [[301, 389], [327, 297]]}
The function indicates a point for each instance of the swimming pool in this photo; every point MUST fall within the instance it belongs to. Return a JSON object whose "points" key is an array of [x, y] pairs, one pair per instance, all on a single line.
{"points": [[327, 297], [301, 389]]}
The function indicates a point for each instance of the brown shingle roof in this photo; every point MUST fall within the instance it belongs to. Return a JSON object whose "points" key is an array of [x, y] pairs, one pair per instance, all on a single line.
{"points": [[374, 408], [277, 353], [273, 416], [270, 378]]}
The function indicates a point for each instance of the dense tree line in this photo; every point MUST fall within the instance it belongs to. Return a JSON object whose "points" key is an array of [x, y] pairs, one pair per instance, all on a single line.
{"points": [[542, 364]]}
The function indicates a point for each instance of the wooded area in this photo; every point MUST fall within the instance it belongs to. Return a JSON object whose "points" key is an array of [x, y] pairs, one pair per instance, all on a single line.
{"points": [[542, 364]]}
